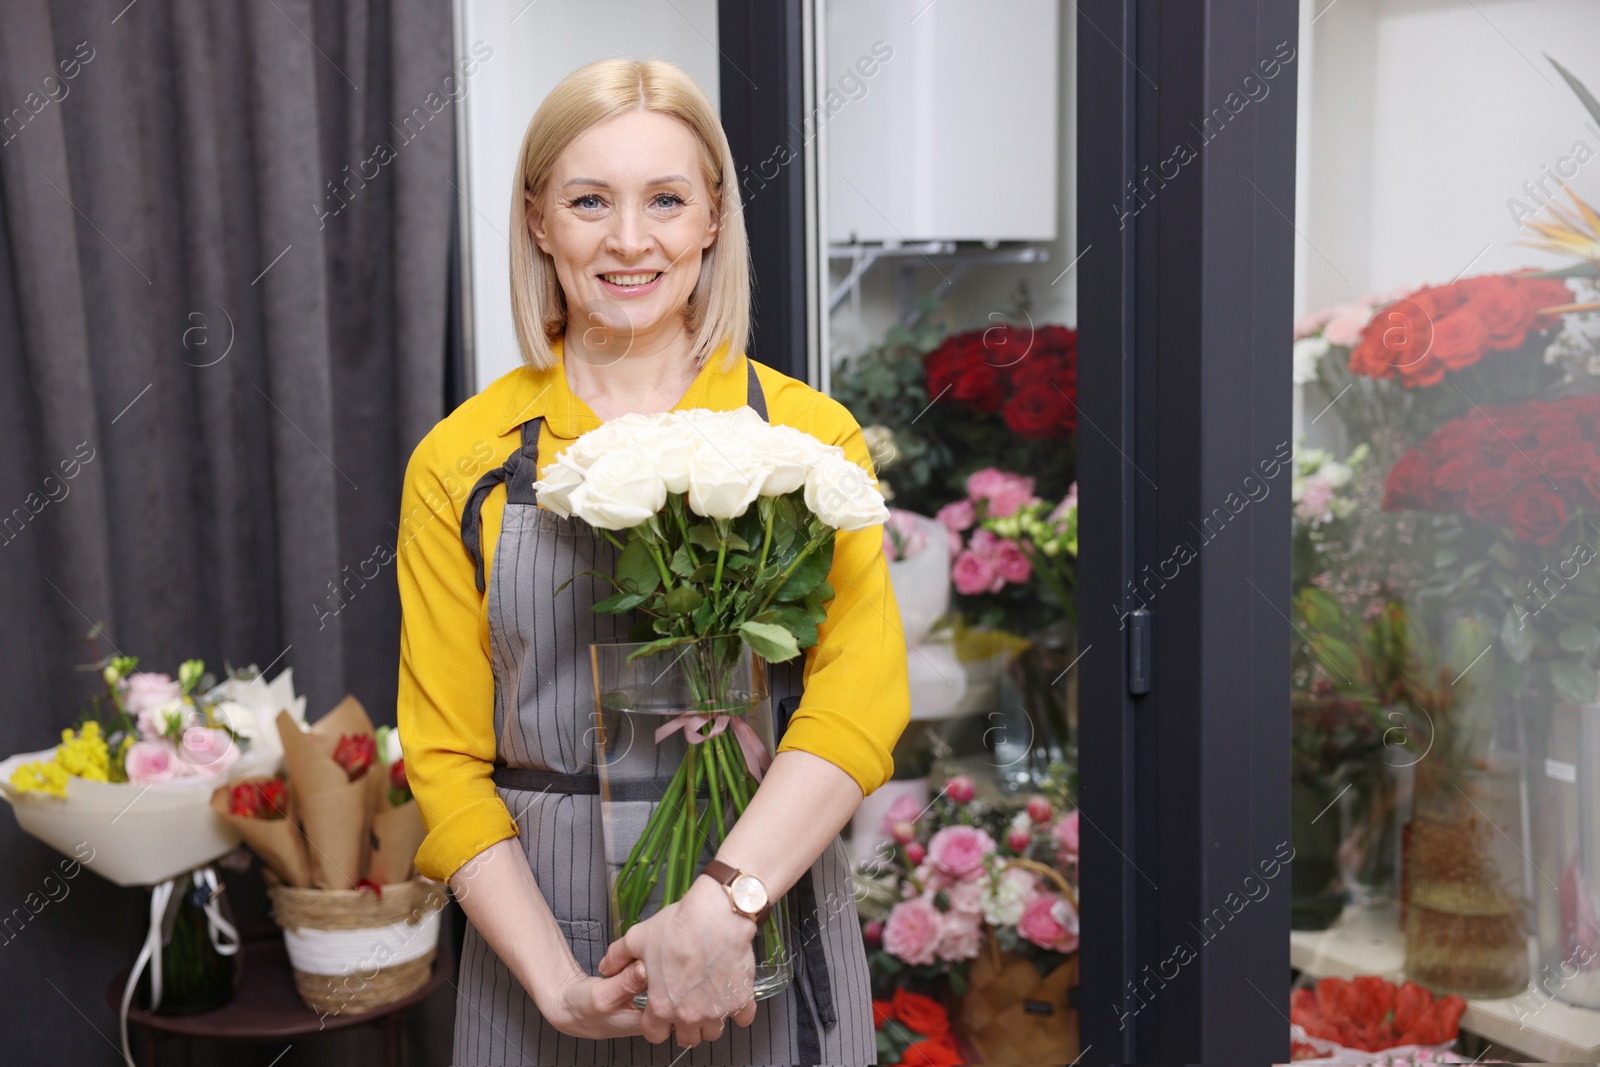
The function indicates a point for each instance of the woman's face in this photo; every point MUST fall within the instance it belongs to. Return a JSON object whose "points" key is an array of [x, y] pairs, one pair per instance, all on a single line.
{"points": [[626, 217]]}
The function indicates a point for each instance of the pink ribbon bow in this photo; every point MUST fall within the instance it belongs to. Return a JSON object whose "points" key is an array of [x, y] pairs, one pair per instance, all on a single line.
{"points": [[755, 753]]}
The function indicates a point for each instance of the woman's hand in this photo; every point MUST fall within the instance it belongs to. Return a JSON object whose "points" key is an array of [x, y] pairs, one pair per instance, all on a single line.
{"points": [[700, 966], [596, 1008]]}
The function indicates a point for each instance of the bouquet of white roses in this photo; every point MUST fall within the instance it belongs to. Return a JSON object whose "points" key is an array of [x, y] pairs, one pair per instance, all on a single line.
{"points": [[726, 530]]}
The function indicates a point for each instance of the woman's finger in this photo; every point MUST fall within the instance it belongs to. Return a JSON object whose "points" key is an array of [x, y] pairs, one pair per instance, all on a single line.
{"points": [[617, 956], [616, 993], [746, 1013]]}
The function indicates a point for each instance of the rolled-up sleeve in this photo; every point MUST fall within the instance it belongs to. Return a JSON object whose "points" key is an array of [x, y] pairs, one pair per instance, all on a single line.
{"points": [[446, 696], [857, 699]]}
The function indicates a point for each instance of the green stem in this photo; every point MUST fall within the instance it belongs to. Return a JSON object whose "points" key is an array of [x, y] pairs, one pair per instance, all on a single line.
{"points": [[655, 554], [715, 772], [716, 579], [784, 577], [683, 524], [766, 540]]}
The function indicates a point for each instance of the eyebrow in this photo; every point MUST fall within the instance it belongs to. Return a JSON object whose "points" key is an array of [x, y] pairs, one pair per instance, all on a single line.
{"points": [[664, 180]]}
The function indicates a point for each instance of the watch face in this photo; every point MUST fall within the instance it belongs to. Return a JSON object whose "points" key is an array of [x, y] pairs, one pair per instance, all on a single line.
{"points": [[749, 894]]}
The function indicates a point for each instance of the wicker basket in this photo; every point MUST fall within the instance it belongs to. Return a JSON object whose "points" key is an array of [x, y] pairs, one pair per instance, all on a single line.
{"points": [[1013, 1014], [353, 951]]}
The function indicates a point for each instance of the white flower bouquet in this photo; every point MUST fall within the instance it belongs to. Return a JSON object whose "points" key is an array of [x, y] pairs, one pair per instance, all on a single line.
{"points": [[725, 526], [128, 791]]}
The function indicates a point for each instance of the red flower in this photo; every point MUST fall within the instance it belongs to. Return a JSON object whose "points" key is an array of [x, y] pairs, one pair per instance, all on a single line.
{"points": [[922, 1015], [258, 799], [1460, 339], [1506, 316], [355, 753], [1453, 475], [1591, 482], [1410, 483], [1039, 413], [1487, 492], [1536, 514], [1567, 464], [397, 775], [882, 1012], [979, 387]]}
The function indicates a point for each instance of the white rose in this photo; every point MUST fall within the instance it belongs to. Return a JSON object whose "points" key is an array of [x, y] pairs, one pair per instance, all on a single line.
{"points": [[239, 720], [1308, 352], [725, 475], [555, 489], [620, 490], [391, 753], [792, 455], [840, 494]]}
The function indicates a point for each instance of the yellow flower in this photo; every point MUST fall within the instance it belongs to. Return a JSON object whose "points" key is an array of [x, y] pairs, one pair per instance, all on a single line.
{"points": [[83, 754]]}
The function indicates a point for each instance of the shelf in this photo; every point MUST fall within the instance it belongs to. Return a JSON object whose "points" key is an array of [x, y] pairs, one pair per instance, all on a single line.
{"points": [[1368, 941]]}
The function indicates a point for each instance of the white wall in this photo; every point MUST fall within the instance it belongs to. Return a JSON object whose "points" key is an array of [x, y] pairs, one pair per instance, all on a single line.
{"points": [[537, 43], [1426, 117], [986, 289]]}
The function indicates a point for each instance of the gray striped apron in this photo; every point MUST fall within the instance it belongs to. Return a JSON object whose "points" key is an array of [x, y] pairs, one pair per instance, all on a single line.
{"points": [[543, 713]]}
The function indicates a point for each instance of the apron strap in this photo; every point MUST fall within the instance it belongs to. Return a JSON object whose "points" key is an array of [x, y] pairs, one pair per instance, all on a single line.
{"points": [[753, 395], [519, 490]]}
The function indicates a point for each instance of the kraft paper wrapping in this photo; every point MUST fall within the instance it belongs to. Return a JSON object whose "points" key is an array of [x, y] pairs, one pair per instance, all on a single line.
{"points": [[335, 812], [278, 842], [397, 833]]}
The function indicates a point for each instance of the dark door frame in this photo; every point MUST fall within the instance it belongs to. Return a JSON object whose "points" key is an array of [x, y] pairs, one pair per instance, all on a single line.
{"points": [[1186, 152], [762, 79]]}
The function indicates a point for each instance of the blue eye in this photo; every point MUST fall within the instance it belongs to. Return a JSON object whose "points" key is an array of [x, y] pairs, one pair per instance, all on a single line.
{"points": [[590, 202], [672, 200]]}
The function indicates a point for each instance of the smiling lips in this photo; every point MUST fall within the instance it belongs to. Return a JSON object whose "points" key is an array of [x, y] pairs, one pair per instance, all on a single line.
{"points": [[635, 282]]}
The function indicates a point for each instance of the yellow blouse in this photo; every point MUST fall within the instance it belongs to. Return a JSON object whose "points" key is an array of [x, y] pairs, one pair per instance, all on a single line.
{"points": [[856, 700]]}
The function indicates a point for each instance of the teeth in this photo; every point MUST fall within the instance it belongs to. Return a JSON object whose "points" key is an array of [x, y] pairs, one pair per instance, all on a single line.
{"points": [[631, 279]]}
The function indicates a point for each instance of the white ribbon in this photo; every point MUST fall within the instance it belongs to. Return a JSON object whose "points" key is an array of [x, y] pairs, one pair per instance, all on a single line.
{"points": [[224, 938]]}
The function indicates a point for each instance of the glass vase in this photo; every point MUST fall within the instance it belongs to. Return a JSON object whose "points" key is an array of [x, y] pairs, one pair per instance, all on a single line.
{"points": [[1466, 929], [1042, 690], [1369, 827], [195, 977], [682, 738]]}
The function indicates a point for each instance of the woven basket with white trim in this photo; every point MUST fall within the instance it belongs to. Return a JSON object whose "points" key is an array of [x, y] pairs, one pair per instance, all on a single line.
{"points": [[353, 951]]}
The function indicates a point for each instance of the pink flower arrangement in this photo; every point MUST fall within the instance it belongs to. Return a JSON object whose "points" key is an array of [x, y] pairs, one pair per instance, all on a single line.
{"points": [[904, 809], [1002, 491], [152, 761], [986, 563], [144, 691], [208, 751], [969, 873]]}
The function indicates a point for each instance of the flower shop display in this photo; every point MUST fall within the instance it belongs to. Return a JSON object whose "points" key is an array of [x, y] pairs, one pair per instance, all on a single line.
{"points": [[338, 836], [980, 900], [914, 1029], [127, 793], [727, 526], [1369, 1014]]}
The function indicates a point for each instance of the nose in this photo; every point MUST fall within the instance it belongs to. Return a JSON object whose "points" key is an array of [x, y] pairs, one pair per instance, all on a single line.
{"points": [[628, 236]]}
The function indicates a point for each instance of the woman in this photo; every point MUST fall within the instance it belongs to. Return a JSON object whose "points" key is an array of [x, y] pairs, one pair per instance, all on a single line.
{"points": [[630, 291]]}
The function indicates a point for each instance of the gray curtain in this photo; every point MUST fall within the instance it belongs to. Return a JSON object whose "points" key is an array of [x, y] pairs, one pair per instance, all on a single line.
{"points": [[223, 316]]}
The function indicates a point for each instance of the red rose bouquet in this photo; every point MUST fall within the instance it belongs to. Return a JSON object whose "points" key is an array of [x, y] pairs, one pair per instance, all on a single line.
{"points": [[1442, 328], [1029, 377], [1370, 1014]]}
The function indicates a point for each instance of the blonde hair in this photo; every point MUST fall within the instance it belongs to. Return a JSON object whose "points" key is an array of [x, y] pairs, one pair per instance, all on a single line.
{"points": [[719, 306]]}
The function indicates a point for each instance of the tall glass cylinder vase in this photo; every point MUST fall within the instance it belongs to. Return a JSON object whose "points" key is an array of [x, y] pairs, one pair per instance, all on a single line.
{"points": [[1466, 931], [1042, 686], [1564, 782], [683, 736]]}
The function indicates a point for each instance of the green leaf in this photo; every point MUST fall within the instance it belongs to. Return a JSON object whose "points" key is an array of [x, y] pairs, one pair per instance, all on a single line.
{"points": [[1579, 88], [814, 609], [1446, 555], [796, 620], [618, 603], [770, 641], [1579, 637], [1573, 682], [681, 564], [1516, 637], [703, 536], [684, 599], [735, 541], [638, 567], [1320, 611], [811, 571], [823, 591], [958, 983], [736, 561], [1339, 658], [658, 646]]}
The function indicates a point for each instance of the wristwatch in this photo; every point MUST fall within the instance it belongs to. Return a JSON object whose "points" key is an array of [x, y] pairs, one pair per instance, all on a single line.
{"points": [[746, 893]]}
